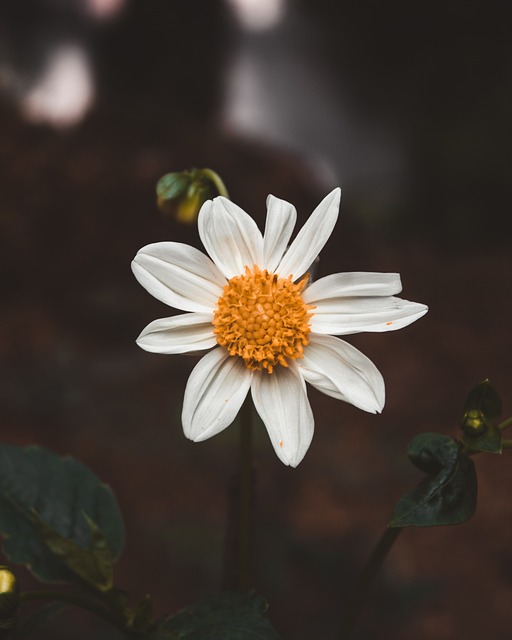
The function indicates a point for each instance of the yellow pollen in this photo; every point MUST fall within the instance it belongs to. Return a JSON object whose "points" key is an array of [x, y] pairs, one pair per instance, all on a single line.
{"points": [[263, 319]]}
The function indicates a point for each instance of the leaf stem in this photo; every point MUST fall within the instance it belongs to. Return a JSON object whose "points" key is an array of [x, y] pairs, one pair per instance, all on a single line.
{"points": [[245, 498], [81, 600], [362, 586], [504, 425]]}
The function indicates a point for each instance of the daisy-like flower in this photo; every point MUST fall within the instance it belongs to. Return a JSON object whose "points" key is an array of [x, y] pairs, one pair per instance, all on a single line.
{"points": [[265, 326]]}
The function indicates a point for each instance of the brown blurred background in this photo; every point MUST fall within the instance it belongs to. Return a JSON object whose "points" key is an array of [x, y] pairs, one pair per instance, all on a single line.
{"points": [[407, 107]]}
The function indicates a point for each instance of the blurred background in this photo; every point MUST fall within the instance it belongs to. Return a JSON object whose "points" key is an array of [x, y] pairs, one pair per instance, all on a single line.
{"points": [[407, 107]]}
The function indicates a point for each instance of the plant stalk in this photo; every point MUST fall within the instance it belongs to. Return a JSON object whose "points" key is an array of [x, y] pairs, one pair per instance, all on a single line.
{"points": [[504, 425], [245, 519], [363, 585]]}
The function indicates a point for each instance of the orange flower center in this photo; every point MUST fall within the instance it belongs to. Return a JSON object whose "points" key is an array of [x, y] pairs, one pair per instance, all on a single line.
{"points": [[263, 319]]}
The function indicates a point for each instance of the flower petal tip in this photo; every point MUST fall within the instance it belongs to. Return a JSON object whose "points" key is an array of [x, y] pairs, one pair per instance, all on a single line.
{"points": [[296, 461], [292, 461], [335, 197], [197, 437], [375, 409]]}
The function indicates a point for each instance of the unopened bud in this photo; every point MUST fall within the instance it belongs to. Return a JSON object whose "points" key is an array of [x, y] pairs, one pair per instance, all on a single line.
{"points": [[473, 422], [181, 195], [9, 598]]}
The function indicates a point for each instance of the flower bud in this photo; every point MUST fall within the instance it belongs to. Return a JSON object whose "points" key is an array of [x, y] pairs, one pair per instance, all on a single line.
{"points": [[9, 598], [473, 422], [181, 195]]}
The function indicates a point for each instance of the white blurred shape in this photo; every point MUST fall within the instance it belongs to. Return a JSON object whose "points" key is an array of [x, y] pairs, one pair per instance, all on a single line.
{"points": [[103, 9], [65, 90], [280, 88], [258, 15], [99, 10]]}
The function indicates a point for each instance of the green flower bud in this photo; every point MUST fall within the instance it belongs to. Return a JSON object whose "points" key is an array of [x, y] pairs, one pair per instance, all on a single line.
{"points": [[9, 598], [181, 195], [473, 422], [188, 207], [170, 189]]}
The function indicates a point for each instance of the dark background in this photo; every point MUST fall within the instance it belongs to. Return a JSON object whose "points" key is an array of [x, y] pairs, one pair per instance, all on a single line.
{"points": [[77, 202]]}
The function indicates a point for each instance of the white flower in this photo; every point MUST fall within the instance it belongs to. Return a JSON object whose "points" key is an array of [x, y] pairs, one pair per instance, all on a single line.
{"points": [[268, 329]]}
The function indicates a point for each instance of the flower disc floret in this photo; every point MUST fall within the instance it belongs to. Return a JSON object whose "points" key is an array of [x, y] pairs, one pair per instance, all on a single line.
{"points": [[263, 319]]}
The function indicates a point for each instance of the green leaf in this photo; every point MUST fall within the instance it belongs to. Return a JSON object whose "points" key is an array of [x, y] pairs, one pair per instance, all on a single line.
{"points": [[33, 623], [489, 441], [228, 616], [95, 565], [57, 517], [448, 493], [141, 615]]}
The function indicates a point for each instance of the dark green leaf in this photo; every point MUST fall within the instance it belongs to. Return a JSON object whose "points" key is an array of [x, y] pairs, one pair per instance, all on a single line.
{"points": [[57, 517], [162, 634], [228, 616], [33, 623], [448, 493], [141, 615], [489, 440]]}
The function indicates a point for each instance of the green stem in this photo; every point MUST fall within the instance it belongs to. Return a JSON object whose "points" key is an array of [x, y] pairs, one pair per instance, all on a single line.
{"points": [[81, 600], [362, 587], [217, 181], [505, 424], [506, 444], [245, 498]]}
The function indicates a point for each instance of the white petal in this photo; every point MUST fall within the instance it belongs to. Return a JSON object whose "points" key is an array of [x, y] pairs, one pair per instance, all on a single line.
{"points": [[179, 334], [230, 236], [179, 275], [281, 218], [214, 394], [281, 400], [340, 285], [340, 370], [342, 316], [311, 238]]}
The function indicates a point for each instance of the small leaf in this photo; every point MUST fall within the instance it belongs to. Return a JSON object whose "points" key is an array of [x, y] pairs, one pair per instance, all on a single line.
{"points": [[141, 615], [228, 616], [50, 505], [489, 441], [448, 493]]}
